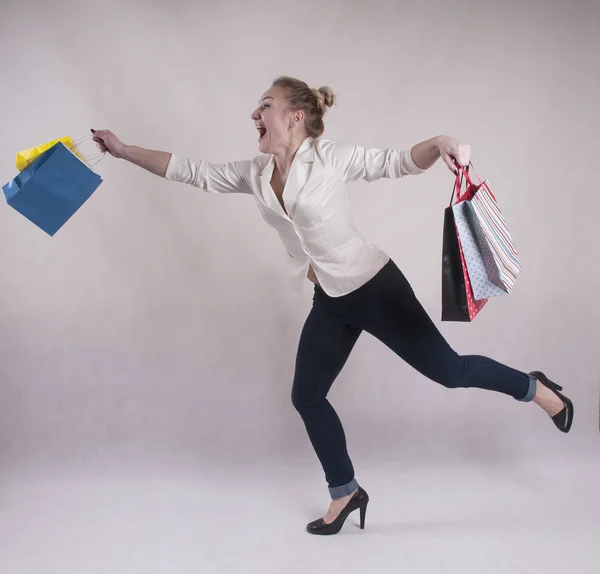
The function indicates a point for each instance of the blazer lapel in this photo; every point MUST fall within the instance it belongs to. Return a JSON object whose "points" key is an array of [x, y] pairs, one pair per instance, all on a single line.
{"points": [[299, 173], [267, 192], [297, 178]]}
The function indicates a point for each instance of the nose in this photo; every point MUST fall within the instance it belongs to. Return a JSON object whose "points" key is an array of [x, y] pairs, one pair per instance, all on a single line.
{"points": [[255, 115]]}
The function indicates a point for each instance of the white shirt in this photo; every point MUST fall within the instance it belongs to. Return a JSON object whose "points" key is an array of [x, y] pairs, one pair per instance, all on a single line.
{"points": [[319, 229]]}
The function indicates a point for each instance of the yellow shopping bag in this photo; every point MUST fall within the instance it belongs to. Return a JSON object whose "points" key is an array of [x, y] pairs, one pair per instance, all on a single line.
{"points": [[25, 157]]}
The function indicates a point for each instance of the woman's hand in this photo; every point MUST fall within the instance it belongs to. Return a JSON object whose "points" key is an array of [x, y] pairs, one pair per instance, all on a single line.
{"points": [[453, 152], [109, 142]]}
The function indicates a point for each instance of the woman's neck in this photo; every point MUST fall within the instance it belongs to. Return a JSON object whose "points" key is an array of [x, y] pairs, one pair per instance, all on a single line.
{"points": [[284, 157]]}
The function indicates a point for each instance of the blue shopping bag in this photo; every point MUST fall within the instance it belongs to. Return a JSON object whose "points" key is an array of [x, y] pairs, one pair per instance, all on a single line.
{"points": [[52, 188]]}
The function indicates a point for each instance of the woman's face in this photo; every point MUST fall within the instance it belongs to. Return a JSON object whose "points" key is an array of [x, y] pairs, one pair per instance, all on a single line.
{"points": [[274, 120]]}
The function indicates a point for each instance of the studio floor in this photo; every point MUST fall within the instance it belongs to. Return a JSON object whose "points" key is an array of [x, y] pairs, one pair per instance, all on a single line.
{"points": [[523, 519]]}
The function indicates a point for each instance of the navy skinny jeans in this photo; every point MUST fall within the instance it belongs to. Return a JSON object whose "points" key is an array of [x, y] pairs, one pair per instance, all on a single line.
{"points": [[385, 307]]}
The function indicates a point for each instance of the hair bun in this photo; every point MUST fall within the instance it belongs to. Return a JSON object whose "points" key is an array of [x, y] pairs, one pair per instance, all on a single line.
{"points": [[325, 97]]}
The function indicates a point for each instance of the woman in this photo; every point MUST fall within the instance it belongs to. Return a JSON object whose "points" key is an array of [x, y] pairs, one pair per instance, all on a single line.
{"points": [[299, 183]]}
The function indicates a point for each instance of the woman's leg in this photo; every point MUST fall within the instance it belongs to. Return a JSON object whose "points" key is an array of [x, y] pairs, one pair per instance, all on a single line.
{"points": [[325, 344], [394, 315]]}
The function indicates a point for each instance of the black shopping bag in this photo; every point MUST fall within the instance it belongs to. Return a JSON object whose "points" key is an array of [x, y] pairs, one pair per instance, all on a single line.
{"points": [[457, 295]]}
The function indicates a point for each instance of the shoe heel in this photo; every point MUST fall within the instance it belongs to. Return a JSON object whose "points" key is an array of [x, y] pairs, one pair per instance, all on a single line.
{"points": [[546, 381], [363, 513]]}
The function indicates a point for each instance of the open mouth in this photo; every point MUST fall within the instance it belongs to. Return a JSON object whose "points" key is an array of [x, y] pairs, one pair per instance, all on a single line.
{"points": [[262, 132]]}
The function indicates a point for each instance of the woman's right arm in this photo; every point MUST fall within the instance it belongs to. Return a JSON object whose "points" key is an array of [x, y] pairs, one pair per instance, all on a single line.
{"points": [[155, 162], [231, 177]]}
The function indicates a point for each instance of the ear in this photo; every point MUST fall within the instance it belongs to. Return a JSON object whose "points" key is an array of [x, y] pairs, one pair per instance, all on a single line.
{"points": [[296, 119]]}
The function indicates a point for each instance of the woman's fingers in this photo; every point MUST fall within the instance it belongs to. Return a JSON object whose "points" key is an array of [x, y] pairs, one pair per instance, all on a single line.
{"points": [[449, 161], [462, 154], [108, 142], [99, 134], [99, 137]]}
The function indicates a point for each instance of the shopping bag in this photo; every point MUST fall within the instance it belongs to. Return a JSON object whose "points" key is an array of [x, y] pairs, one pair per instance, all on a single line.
{"points": [[458, 303], [27, 156], [477, 254], [52, 188], [492, 261], [498, 237]]}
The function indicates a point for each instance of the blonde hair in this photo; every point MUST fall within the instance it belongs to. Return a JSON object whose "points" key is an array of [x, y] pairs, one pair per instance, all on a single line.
{"points": [[313, 102]]}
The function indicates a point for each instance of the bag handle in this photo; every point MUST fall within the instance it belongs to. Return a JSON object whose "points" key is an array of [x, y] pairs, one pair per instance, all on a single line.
{"points": [[456, 187], [100, 155], [460, 173]]}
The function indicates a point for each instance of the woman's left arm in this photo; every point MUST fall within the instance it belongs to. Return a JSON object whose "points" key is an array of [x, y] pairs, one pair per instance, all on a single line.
{"points": [[426, 153]]}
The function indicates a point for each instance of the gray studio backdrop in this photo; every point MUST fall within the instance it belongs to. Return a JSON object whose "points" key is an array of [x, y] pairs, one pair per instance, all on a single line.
{"points": [[157, 327]]}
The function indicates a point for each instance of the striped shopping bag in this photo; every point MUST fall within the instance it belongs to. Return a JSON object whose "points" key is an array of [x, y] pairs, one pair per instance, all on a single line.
{"points": [[495, 250]]}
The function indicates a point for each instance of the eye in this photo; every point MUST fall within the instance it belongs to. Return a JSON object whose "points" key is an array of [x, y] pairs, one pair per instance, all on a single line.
{"points": [[265, 106]]}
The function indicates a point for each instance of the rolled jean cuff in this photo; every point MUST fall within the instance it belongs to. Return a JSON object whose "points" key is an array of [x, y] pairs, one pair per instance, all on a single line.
{"points": [[531, 391], [344, 490]]}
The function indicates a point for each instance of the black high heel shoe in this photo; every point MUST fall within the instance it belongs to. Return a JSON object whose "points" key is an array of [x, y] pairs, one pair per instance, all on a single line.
{"points": [[358, 501], [564, 419]]}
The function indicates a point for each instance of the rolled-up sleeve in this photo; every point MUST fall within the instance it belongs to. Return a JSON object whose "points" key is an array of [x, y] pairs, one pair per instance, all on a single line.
{"points": [[232, 177], [356, 162]]}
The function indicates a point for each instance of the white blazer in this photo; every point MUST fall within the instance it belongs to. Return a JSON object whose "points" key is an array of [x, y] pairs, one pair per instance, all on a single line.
{"points": [[319, 229]]}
